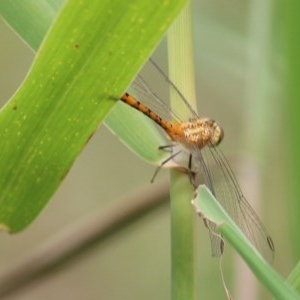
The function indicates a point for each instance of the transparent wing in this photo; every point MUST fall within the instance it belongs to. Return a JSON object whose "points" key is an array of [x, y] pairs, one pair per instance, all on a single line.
{"points": [[143, 93], [152, 88], [220, 179]]}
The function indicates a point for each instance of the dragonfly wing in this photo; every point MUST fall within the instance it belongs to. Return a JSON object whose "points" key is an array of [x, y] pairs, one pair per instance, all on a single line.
{"points": [[152, 87], [220, 179], [217, 243], [144, 93]]}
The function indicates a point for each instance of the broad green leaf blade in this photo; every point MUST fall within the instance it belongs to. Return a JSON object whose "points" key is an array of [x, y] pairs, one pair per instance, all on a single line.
{"points": [[208, 207], [32, 21], [91, 54]]}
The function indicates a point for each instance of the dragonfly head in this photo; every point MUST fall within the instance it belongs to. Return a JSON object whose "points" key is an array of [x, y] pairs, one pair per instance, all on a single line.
{"points": [[216, 132]]}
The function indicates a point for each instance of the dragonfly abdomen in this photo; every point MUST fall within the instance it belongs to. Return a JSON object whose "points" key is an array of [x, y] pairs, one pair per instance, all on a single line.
{"points": [[130, 100]]}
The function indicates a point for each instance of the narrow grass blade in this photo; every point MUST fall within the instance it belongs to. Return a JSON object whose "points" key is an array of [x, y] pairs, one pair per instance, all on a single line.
{"points": [[294, 277], [30, 19], [208, 207], [183, 243]]}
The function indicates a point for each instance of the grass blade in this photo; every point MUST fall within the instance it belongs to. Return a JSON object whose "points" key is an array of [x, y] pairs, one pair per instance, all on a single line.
{"points": [[206, 205], [183, 243], [75, 80]]}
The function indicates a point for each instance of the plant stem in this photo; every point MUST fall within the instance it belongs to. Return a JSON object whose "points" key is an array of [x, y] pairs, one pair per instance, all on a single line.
{"points": [[181, 72]]}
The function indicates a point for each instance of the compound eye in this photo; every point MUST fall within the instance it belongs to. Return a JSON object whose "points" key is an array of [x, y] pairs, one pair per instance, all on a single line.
{"points": [[218, 134]]}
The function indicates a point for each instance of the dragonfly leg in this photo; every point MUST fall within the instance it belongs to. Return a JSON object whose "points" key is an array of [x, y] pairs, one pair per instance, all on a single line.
{"points": [[166, 147], [192, 175], [163, 163]]}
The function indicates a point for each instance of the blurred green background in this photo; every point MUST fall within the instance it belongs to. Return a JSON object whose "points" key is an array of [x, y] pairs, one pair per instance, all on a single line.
{"points": [[239, 71]]}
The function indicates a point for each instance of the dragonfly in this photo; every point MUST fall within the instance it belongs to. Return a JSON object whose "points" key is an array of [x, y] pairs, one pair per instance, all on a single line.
{"points": [[199, 139]]}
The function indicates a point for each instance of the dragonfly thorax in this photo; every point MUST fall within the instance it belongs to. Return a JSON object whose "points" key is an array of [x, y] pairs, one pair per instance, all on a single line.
{"points": [[200, 132]]}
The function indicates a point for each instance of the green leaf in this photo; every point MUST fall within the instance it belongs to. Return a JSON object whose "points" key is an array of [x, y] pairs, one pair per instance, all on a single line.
{"points": [[183, 242], [294, 277], [208, 207], [289, 42], [89, 57], [30, 19], [137, 132]]}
